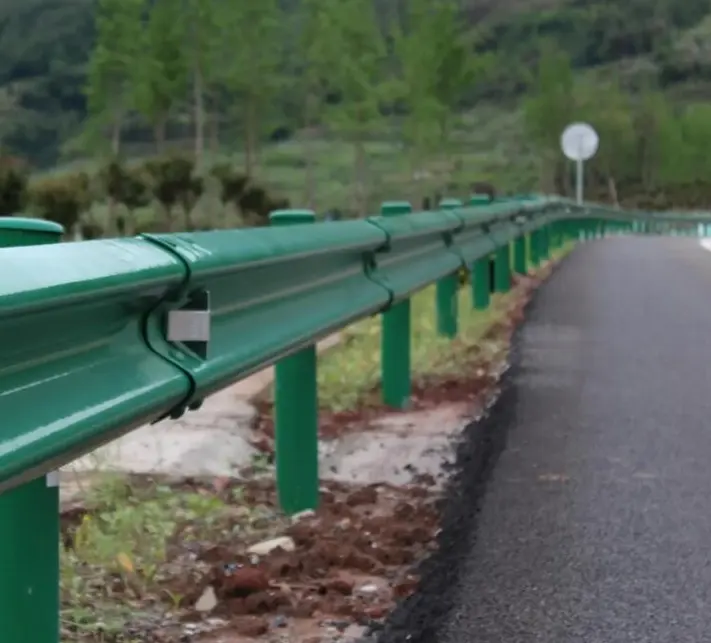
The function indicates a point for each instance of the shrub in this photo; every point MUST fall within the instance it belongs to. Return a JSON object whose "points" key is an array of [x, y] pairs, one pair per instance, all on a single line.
{"points": [[13, 186], [253, 201], [172, 182], [232, 183], [256, 205], [61, 199], [128, 186]]}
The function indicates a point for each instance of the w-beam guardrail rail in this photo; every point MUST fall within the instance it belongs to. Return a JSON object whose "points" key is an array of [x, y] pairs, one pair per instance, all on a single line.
{"points": [[100, 337]]}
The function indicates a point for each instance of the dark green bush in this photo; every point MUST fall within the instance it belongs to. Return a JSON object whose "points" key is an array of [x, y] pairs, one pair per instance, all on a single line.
{"points": [[256, 205], [61, 199], [232, 183], [13, 186], [130, 186]]}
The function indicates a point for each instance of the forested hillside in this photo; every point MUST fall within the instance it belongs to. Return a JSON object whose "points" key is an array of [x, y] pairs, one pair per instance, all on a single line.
{"points": [[126, 115], [45, 46]]}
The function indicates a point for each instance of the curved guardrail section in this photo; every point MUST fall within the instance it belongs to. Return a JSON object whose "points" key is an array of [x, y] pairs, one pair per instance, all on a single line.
{"points": [[75, 367]]}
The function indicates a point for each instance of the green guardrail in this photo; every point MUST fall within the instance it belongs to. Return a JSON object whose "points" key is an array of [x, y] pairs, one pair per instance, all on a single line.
{"points": [[100, 337]]}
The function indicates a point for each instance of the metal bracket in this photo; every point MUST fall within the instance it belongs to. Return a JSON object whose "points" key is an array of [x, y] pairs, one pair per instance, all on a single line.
{"points": [[190, 325]]}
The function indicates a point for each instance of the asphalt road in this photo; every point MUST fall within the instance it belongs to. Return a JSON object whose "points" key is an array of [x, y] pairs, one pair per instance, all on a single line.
{"points": [[582, 513]]}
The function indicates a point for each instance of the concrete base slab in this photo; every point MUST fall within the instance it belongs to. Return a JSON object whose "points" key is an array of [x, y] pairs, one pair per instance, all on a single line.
{"points": [[398, 447], [210, 441]]}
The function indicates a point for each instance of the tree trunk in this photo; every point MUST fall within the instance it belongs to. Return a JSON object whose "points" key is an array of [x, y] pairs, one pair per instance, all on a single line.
{"points": [[309, 153], [360, 197], [199, 105], [169, 222], [116, 135], [110, 231], [215, 132], [612, 189], [159, 133], [251, 125], [415, 179]]}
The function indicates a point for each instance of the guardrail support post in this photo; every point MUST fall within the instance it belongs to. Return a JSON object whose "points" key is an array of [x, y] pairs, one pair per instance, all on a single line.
{"points": [[535, 245], [296, 412], [29, 514], [479, 272], [520, 255], [395, 339], [503, 268], [544, 243], [447, 290]]}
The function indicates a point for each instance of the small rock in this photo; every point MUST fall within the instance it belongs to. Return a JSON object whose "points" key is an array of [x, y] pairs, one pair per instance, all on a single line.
{"points": [[280, 621], [250, 626], [339, 626], [207, 601], [369, 589], [245, 581], [405, 587], [364, 496], [376, 611], [241, 512], [342, 583], [302, 515], [265, 547]]}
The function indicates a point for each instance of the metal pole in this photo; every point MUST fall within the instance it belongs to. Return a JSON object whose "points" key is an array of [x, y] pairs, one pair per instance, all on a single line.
{"points": [[579, 181], [29, 514], [395, 340], [296, 412]]}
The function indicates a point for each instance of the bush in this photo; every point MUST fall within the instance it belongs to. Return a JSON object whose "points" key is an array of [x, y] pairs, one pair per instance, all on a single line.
{"points": [[172, 182], [13, 186], [253, 201], [232, 183], [256, 205], [128, 186], [61, 199]]}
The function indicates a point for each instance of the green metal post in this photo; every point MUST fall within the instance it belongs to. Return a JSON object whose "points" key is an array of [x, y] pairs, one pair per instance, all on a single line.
{"points": [[544, 241], [502, 256], [29, 514], [552, 236], [502, 268], [447, 290], [395, 339], [296, 412], [520, 255], [534, 241], [479, 275]]}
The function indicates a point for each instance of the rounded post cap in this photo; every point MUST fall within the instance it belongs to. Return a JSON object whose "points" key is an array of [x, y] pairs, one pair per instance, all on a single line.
{"points": [[450, 204], [291, 217], [395, 208], [28, 224], [479, 199]]}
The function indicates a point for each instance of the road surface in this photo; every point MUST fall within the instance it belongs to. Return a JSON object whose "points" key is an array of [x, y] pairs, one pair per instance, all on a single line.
{"points": [[583, 512]]}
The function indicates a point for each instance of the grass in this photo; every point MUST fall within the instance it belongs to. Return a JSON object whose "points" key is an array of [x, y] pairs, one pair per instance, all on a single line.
{"points": [[121, 565], [349, 372]]}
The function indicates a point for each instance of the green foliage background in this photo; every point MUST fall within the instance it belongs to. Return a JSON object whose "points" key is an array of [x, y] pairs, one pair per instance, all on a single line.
{"points": [[650, 59]]}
